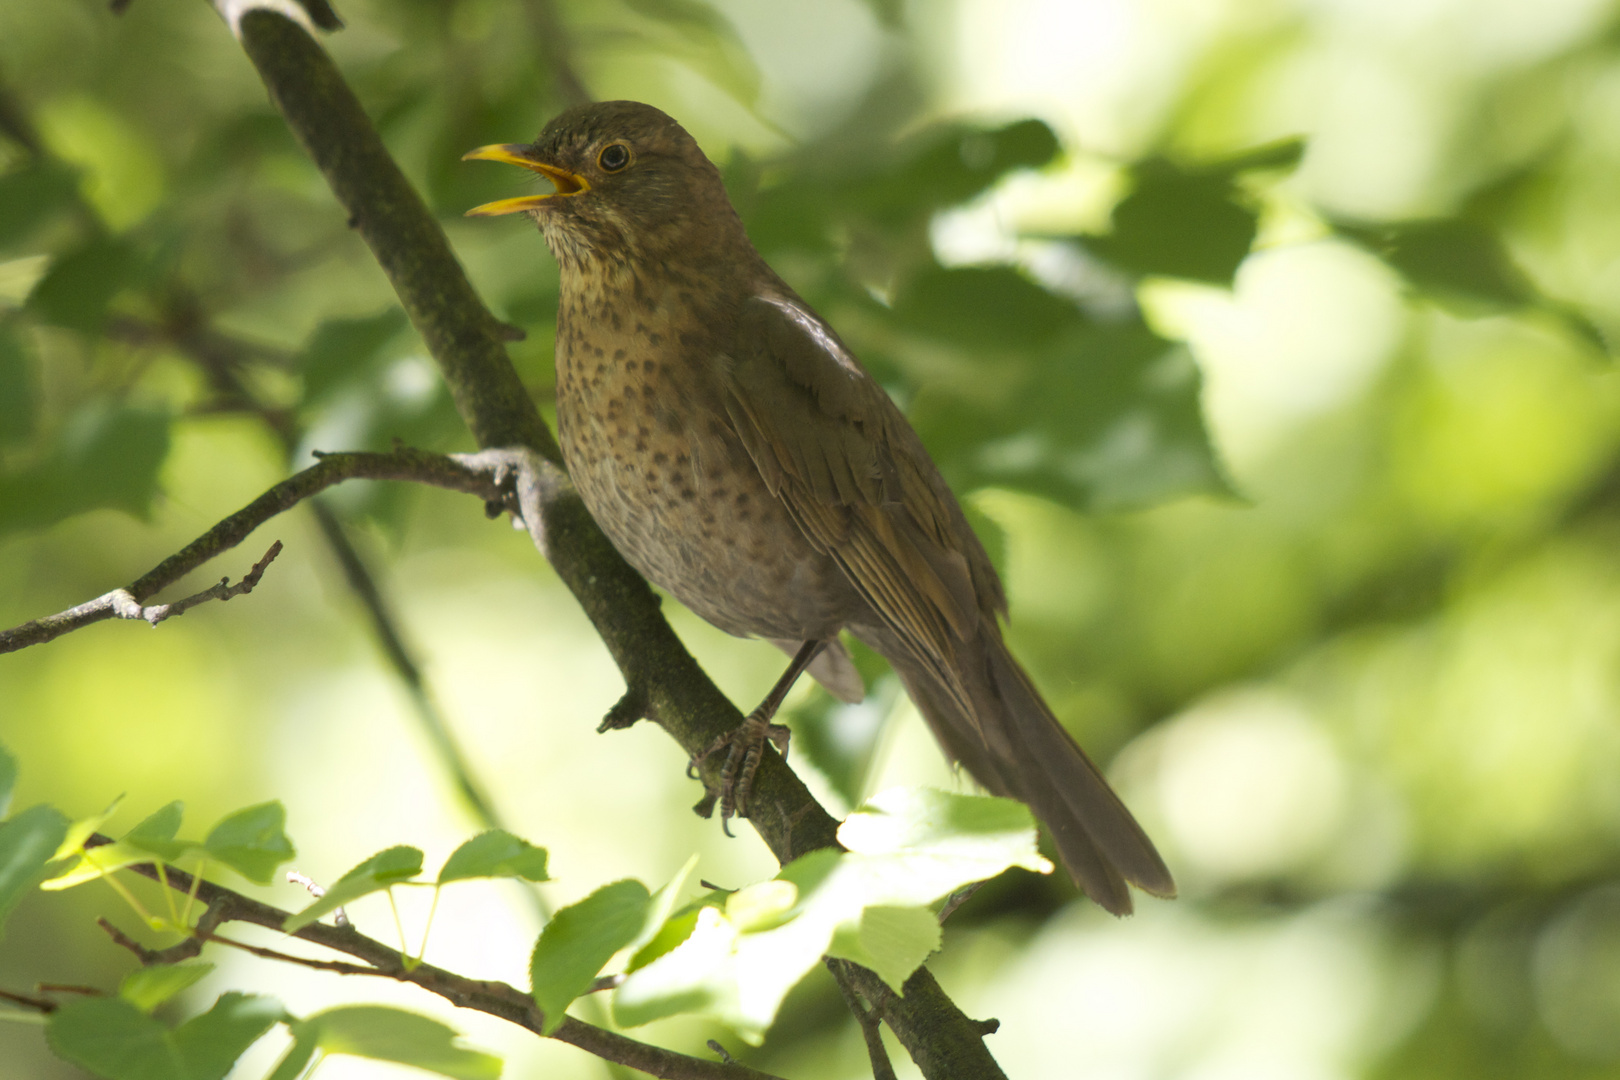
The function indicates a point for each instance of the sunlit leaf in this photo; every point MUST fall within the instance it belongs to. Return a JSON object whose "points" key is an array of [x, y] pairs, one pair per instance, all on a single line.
{"points": [[940, 835], [252, 841], [148, 987], [386, 1034], [495, 854], [892, 941], [113, 1038], [579, 940], [28, 843], [907, 849], [388, 867], [97, 862], [81, 830]]}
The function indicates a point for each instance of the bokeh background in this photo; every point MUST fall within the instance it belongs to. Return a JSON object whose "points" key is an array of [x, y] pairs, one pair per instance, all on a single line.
{"points": [[1266, 340]]}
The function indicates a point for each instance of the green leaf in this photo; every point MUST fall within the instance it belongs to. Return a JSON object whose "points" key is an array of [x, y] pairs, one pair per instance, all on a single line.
{"points": [[28, 843], [148, 987], [82, 829], [1463, 266], [1109, 419], [892, 941], [19, 388], [8, 780], [76, 290], [983, 307], [1456, 262], [114, 1039], [579, 940], [1180, 223], [156, 834], [295, 1059], [895, 187], [385, 1034], [1284, 154], [907, 848], [107, 455], [940, 836], [388, 867], [97, 862], [495, 854], [663, 903], [30, 197], [251, 841]]}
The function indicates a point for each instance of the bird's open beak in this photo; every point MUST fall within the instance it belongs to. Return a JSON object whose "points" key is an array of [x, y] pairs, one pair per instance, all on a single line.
{"points": [[517, 154]]}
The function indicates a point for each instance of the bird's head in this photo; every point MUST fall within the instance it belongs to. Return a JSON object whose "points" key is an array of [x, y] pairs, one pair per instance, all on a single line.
{"points": [[629, 185]]}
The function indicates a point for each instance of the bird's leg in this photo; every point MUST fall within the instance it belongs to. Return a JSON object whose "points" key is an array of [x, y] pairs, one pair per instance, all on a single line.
{"points": [[746, 742]]}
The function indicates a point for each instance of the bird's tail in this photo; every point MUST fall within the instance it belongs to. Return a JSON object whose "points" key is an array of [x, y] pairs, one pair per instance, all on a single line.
{"points": [[1013, 745]]}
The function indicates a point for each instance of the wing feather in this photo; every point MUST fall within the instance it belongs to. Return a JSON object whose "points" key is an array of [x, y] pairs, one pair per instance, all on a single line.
{"points": [[832, 445]]}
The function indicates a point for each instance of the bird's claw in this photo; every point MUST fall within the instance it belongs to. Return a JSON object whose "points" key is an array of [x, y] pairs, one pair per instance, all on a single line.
{"points": [[744, 745]]}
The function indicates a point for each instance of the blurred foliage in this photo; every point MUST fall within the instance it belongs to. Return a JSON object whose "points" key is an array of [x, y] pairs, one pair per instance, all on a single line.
{"points": [[1267, 343]]}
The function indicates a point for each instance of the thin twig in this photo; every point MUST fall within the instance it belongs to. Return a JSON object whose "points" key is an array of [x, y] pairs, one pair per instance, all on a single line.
{"points": [[70, 988], [957, 899], [338, 966], [126, 606], [40, 1004], [867, 1019], [401, 464], [340, 917]]}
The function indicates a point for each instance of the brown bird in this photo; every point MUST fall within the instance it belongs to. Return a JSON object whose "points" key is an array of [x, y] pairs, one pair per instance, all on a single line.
{"points": [[740, 457]]}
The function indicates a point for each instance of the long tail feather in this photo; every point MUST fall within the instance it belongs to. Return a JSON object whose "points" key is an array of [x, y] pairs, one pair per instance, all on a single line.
{"points": [[1013, 745]]}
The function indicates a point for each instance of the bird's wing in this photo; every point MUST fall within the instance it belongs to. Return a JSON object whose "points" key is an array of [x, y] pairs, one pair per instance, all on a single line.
{"points": [[835, 449]]}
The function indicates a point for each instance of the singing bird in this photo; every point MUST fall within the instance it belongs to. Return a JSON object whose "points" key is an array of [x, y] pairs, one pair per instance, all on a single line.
{"points": [[740, 457]]}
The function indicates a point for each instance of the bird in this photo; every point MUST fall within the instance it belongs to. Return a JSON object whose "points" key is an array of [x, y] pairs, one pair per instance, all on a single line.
{"points": [[739, 456]]}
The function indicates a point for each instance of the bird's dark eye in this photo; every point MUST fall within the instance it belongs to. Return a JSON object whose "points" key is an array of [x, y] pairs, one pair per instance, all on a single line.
{"points": [[614, 156]]}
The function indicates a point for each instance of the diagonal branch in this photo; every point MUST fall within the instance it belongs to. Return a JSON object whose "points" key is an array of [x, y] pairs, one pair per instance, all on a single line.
{"points": [[498, 999], [402, 464]]}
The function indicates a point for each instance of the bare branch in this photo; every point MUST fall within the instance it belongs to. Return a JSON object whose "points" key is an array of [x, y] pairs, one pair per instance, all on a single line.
{"points": [[868, 1019], [402, 464]]}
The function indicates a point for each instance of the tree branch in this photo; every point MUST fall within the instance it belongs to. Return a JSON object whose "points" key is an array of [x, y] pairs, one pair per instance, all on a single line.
{"points": [[402, 464], [466, 341], [495, 998]]}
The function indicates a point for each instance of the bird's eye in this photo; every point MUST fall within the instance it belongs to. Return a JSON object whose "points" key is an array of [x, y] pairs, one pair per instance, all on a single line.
{"points": [[614, 156]]}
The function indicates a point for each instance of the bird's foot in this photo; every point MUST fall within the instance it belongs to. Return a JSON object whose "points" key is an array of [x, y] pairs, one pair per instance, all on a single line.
{"points": [[744, 745]]}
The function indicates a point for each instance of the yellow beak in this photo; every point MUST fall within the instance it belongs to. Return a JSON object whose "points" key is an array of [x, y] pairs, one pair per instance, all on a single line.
{"points": [[517, 154]]}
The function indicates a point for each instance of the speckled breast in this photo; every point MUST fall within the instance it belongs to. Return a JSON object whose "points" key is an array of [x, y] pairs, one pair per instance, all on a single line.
{"points": [[645, 436]]}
